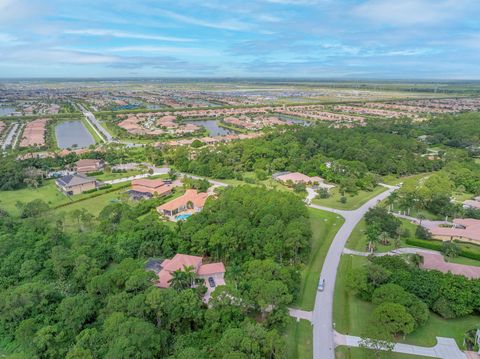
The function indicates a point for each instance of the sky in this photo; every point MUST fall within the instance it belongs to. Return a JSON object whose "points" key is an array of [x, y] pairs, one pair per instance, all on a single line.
{"points": [[344, 39]]}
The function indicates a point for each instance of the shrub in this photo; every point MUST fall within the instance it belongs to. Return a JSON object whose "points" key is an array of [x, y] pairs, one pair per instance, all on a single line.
{"points": [[423, 233], [343, 199]]}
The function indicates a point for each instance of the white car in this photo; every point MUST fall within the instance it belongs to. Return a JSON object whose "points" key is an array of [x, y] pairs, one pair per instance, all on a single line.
{"points": [[321, 285]]}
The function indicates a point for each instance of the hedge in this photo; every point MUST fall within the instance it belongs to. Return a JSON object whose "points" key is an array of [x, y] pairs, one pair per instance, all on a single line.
{"points": [[437, 246], [99, 192]]}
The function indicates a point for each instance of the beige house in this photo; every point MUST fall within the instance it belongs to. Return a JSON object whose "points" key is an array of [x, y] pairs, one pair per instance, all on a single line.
{"points": [[76, 184], [88, 165]]}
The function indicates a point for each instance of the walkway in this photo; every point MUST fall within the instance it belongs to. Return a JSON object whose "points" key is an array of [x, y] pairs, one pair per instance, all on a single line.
{"points": [[300, 314], [322, 319], [446, 348]]}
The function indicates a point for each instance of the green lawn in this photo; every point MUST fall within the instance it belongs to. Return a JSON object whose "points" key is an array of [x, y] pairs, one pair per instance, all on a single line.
{"points": [[115, 175], [50, 194], [95, 205], [359, 353], [90, 129], [351, 314], [353, 202], [298, 338], [324, 227]]}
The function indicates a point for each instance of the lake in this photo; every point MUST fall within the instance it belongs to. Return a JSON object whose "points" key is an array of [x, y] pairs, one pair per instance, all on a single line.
{"points": [[213, 128], [70, 133], [6, 111]]}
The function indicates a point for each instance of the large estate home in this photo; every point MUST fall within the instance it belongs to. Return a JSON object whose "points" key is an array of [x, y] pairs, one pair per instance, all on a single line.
{"points": [[465, 230], [88, 165], [190, 202], [147, 188], [212, 273], [76, 184], [293, 178]]}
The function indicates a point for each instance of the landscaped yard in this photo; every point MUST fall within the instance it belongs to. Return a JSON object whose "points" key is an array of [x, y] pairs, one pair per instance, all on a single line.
{"points": [[353, 202], [298, 337], [324, 227], [352, 314]]}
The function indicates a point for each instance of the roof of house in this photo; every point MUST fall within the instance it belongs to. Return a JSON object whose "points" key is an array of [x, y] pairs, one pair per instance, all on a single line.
{"points": [[465, 228], [74, 180], [471, 203], [191, 195], [179, 261], [150, 183], [295, 177], [211, 268], [87, 162]]}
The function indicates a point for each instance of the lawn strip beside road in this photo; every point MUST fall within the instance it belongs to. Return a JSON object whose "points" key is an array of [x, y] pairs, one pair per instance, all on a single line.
{"points": [[359, 353], [351, 314], [324, 227], [298, 337], [353, 202]]}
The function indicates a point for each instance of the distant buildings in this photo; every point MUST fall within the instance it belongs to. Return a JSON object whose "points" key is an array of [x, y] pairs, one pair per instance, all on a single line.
{"points": [[76, 184], [34, 133]]}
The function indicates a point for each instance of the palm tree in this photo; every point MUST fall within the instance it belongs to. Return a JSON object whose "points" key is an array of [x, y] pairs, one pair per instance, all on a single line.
{"points": [[183, 279]]}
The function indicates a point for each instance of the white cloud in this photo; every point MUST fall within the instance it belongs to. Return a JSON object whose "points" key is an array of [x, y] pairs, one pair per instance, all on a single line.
{"points": [[223, 24], [123, 34], [193, 51], [411, 12]]}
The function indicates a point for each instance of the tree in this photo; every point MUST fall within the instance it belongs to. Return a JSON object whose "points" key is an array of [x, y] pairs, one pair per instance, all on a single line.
{"points": [[450, 249], [183, 278], [392, 319]]}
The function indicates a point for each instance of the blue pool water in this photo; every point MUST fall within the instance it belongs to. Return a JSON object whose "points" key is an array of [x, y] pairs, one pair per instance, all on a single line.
{"points": [[183, 217]]}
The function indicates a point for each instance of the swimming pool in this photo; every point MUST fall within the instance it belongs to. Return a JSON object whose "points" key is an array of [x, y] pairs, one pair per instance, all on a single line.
{"points": [[183, 217]]}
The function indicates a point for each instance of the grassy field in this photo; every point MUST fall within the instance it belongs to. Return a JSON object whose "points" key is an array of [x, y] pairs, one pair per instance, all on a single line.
{"points": [[359, 353], [352, 314], [90, 129], [353, 202], [298, 337], [115, 175], [324, 227], [51, 195]]}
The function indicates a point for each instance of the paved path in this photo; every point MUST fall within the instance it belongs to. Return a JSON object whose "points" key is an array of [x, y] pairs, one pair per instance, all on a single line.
{"points": [[446, 348], [322, 319], [300, 314], [156, 171]]}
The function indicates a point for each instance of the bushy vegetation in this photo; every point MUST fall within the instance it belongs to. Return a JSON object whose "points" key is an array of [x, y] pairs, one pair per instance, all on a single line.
{"points": [[86, 294]]}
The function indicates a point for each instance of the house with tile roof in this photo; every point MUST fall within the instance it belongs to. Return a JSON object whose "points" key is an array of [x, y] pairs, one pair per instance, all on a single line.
{"points": [[190, 202], [216, 271], [465, 230], [88, 165], [297, 178], [472, 203], [76, 184], [148, 188]]}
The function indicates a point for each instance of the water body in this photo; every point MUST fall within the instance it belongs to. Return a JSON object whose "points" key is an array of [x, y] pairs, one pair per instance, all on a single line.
{"points": [[6, 111], [71, 133], [295, 120], [213, 128]]}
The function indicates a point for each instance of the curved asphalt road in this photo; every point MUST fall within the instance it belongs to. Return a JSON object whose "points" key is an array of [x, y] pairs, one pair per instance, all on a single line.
{"points": [[322, 318]]}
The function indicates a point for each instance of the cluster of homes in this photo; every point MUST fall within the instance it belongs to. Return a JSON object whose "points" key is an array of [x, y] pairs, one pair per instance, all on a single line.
{"points": [[152, 125], [208, 140], [34, 133], [373, 111], [316, 112], [437, 106], [254, 123], [2, 127]]}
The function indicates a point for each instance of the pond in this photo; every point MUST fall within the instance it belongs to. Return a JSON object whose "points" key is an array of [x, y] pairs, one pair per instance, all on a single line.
{"points": [[213, 127], [6, 111], [73, 134], [295, 120]]}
